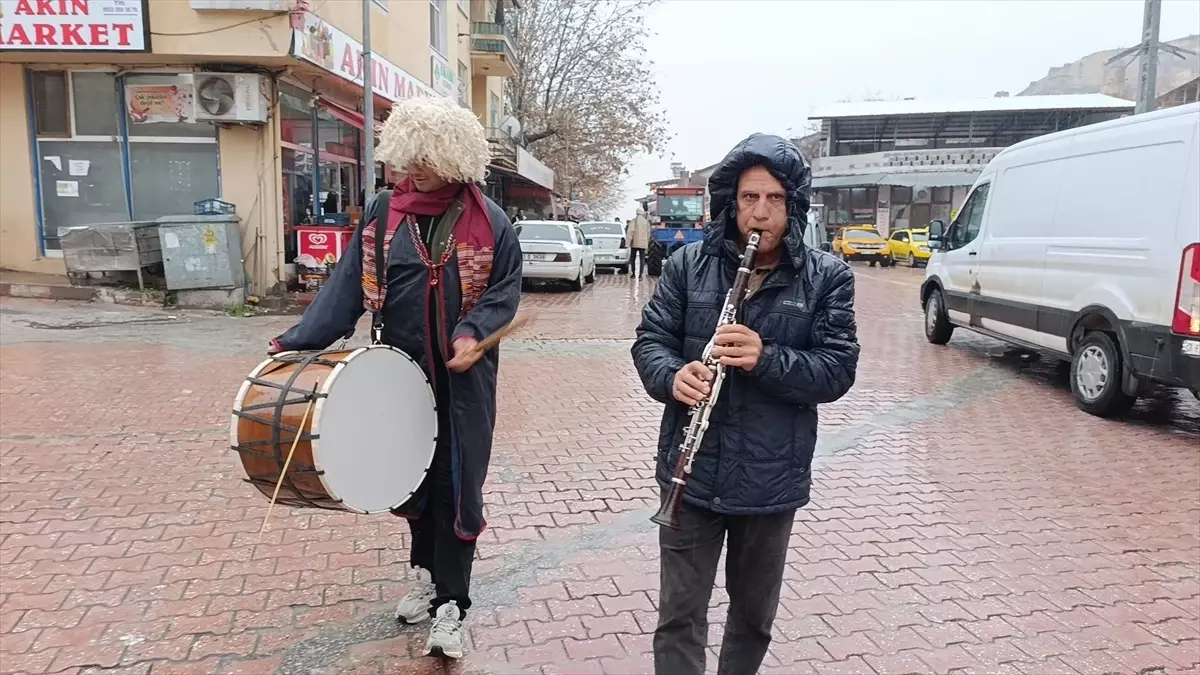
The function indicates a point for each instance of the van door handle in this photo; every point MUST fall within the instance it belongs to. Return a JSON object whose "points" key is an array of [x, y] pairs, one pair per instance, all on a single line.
{"points": [[972, 252]]}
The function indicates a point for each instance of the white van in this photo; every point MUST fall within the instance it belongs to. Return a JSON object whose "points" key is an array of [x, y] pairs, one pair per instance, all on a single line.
{"points": [[1084, 244]]}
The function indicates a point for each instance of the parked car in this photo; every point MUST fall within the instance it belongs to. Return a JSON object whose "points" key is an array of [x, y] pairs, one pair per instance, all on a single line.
{"points": [[911, 246], [556, 250], [1050, 253], [608, 243], [861, 242]]}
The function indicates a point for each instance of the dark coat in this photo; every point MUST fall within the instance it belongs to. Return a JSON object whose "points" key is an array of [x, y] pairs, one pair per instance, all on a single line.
{"points": [[472, 395], [757, 453]]}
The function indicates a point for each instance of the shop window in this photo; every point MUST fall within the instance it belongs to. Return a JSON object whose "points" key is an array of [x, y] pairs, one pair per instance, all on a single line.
{"points": [[901, 195], [941, 195], [95, 104], [295, 114], [81, 166], [168, 178], [82, 182], [52, 113]]}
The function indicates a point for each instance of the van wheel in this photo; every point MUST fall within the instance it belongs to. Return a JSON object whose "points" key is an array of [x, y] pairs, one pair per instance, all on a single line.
{"points": [[938, 328], [1096, 372]]}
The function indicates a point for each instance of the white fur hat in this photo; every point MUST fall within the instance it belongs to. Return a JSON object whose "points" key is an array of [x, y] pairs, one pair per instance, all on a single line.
{"points": [[439, 133]]}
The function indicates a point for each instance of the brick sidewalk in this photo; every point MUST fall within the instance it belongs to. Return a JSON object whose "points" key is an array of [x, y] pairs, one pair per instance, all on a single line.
{"points": [[965, 516]]}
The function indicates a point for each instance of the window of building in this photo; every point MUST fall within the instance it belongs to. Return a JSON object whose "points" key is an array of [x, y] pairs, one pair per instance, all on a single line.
{"points": [[494, 112], [437, 25], [81, 165], [172, 164], [464, 92], [86, 174], [51, 109]]}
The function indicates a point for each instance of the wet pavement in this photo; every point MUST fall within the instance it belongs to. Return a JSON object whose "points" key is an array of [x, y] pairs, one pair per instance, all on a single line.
{"points": [[966, 517]]}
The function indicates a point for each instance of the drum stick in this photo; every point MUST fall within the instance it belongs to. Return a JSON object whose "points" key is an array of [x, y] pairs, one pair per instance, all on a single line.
{"points": [[286, 463], [495, 338]]}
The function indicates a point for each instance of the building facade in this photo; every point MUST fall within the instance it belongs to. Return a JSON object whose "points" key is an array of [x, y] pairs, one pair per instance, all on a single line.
{"points": [[900, 164], [127, 110]]}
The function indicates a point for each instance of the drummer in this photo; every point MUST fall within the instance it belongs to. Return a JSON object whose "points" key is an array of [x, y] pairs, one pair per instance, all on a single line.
{"points": [[436, 307]]}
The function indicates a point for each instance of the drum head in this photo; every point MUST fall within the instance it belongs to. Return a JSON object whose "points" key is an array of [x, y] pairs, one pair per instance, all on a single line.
{"points": [[377, 428]]}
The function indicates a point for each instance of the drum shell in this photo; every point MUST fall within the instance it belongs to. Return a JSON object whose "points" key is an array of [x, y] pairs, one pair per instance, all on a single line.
{"points": [[303, 486]]}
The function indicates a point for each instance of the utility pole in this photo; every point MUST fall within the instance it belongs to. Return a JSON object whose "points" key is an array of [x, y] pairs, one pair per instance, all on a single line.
{"points": [[1147, 54], [368, 108]]}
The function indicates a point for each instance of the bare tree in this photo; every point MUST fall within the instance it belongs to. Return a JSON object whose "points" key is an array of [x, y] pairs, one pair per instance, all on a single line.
{"points": [[809, 140], [583, 91]]}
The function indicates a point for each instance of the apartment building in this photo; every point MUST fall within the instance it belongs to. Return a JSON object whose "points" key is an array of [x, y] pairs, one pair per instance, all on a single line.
{"points": [[128, 110]]}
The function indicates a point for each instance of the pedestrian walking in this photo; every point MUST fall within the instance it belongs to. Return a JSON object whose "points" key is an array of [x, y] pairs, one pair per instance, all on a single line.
{"points": [[637, 233], [453, 277], [794, 346]]}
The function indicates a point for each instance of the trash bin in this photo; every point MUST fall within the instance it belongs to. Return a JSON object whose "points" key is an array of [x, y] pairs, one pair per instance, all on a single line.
{"points": [[110, 247]]}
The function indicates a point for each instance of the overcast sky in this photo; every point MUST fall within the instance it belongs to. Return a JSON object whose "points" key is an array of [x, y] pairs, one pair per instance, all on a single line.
{"points": [[728, 68]]}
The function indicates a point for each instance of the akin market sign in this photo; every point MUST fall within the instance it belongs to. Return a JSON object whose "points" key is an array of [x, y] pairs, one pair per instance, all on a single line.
{"points": [[74, 25], [320, 43]]}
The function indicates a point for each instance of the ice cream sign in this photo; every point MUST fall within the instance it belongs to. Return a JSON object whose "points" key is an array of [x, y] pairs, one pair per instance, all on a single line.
{"points": [[74, 25]]}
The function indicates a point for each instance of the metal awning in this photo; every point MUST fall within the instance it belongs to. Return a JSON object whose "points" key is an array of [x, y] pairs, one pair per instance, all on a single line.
{"points": [[848, 181], [931, 179]]}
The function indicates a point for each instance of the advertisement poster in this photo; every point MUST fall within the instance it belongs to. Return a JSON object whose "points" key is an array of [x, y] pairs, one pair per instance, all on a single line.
{"points": [[74, 26], [150, 103], [442, 76]]}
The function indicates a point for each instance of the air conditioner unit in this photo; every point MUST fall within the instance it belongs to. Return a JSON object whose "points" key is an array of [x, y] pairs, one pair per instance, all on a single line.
{"points": [[233, 98]]}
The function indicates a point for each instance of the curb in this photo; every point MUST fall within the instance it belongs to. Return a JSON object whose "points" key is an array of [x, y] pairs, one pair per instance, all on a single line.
{"points": [[46, 292]]}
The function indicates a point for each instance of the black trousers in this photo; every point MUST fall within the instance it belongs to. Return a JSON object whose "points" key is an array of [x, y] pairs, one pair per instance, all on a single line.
{"points": [[636, 254], [754, 565], [435, 547]]}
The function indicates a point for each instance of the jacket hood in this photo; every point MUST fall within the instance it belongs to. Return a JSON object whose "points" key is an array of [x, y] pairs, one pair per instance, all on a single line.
{"points": [[789, 166]]}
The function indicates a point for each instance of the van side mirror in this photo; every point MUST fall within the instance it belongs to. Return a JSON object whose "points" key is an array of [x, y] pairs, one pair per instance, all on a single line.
{"points": [[936, 229], [825, 246], [935, 244]]}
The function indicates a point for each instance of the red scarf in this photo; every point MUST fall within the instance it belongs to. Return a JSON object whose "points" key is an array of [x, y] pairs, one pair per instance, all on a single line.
{"points": [[472, 240]]}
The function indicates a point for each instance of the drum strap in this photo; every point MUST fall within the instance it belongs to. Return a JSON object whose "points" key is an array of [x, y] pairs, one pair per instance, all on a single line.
{"points": [[444, 226]]}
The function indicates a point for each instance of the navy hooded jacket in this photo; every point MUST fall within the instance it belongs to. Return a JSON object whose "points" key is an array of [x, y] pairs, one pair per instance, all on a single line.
{"points": [[757, 453]]}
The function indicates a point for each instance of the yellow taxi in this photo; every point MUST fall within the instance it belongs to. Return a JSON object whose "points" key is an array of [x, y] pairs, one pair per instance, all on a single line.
{"points": [[861, 242], [910, 246]]}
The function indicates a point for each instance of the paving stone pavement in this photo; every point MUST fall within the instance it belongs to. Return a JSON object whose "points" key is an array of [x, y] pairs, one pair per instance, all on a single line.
{"points": [[965, 516]]}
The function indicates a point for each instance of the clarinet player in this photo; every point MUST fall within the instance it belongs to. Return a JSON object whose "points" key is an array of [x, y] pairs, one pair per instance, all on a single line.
{"points": [[792, 345]]}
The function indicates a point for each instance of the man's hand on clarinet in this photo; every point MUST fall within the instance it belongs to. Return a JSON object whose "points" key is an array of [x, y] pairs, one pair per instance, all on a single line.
{"points": [[736, 346], [692, 383], [465, 354]]}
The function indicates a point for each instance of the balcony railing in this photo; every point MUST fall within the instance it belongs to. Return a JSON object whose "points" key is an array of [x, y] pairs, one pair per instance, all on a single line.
{"points": [[492, 38]]}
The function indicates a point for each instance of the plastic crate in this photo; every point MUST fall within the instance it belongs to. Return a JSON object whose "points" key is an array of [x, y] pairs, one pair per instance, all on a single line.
{"points": [[214, 207]]}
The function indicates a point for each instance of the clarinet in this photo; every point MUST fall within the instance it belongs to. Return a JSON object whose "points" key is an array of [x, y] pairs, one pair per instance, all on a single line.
{"points": [[668, 514]]}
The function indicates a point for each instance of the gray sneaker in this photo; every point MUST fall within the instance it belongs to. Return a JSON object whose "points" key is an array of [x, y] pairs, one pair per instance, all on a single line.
{"points": [[445, 635], [414, 607]]}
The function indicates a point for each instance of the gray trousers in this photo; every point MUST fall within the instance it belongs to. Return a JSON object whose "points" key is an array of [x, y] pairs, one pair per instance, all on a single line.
{"points": [[754, 565]]}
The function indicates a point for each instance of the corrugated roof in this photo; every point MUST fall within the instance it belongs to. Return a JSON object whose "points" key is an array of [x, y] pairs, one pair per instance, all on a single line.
{"points": [[900, 179], [848, 181], [1006, 104], [931, 178]]}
